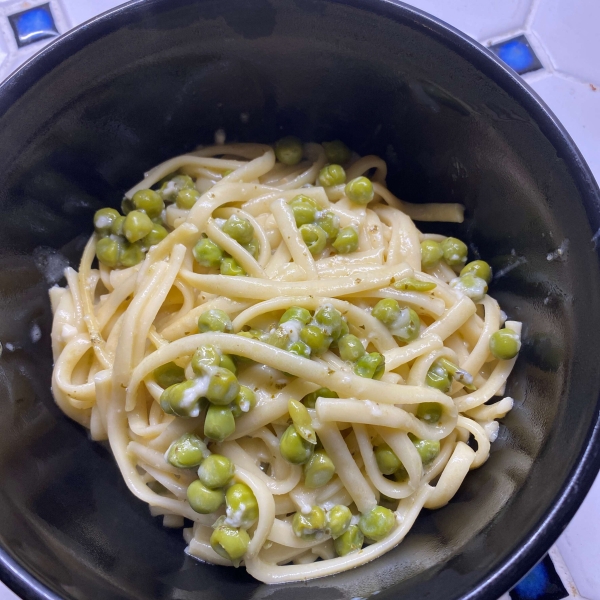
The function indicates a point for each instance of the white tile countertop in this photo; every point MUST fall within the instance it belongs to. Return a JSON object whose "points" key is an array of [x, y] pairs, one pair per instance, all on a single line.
{"points": [[556, 46]]}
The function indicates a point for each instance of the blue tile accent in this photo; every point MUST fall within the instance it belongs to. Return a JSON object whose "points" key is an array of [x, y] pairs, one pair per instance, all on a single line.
{"points": [[32, 25], [541, 583], [518, 54]]}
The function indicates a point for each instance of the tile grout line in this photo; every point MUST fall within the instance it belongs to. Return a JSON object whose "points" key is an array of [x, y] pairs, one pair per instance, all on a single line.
{"points": [[535, 4]]}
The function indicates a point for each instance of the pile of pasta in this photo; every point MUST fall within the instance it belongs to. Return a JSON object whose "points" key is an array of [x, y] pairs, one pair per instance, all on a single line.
{"points": [[119, 329]]}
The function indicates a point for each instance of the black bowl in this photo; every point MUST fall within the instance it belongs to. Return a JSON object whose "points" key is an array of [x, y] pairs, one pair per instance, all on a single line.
{"points": [[84, 119]]}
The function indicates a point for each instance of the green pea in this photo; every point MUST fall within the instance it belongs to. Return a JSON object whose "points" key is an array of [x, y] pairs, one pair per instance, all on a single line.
{"points": [[414, 285], [329, 222], [427, 449], [252, 247], [295, 313], [279, 338], [240, 229], [346, 240], [242, 507], [304, 209], [479, 268], [229, 266], [109, 251], [430, 412], [360, 190], [288, 150], [214, 320], [294, 448], [309, 526], [371, 366], [407, 326], [386, 311], [387, 461], [314, 337], [227, 363], [117, 226], [471, 286], [156, 235], [219, 423], [137, 225], [244, 402], [186, 198], [314, 238], [223, 387], [215, 471], [181, 399], [455, 252], [168, 374], [401, 475], [337, 152], [438, 378], [351, 348], [299, 348], [186, 452], [332, 175], [148, 201], [170, 188], [505, 344], [126, 206], [207, 253], [229, 542], [344, 329], [131, 255], [205, 357], [329, 319], [302, 421], [318, 471], [310, 399], [204, 500], [350, 541], [338, 520], [431, 253], [104, 219], [377, 523], [456, 372]]}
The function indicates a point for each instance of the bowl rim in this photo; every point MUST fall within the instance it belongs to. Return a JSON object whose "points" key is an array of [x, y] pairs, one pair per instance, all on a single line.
{"points": [[538, 540]]}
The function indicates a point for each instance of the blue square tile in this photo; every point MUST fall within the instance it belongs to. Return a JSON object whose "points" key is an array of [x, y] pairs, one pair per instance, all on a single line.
{"points": [[518, 54], [32, 25], [541, 583]]}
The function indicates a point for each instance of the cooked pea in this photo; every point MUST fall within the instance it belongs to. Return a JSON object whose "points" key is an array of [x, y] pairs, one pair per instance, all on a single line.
{"points": [[377, 523], [505, 344], [319, 470], [227, 363], [310, 399], [455, 252], [344, 329], [302, 421], [280, 338], [337, 152], [204, 500], [346, 240], [229, 266], [288, 150], [386, 311], [148, 201], [412, 284], [309, 526], [294, 448], [427, 449], [170, 188], [371, 366], [387, 461], [407, 326], [304, 209], [295, 313], [360, 190], [168, 374], [430, 412], [329, 222], [131, 255], [117, 226], [338, 520], [223, 386], [240, 229], [242, 507], [455, 371], [252, 247], [314, 237], [438, 378], [299, 348], [109, 251], [471, 286], [431, 253], [219, 422], [350, 541], [230, 542], [156, 235], [186, 198], [181, 399], [314, 337], [244, 402], [214, 320], [126, 206], [332, 175], [137, 225], [215, 471], [206, 356], [104, 219], [207, 253], [329, 319], [187, 451], [351, 348], [479, 268]]}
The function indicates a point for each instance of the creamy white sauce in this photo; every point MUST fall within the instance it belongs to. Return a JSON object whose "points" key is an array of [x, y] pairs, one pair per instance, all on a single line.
{"points": [[103, 221], [292, 329], [476, 292], [235, 518], [194, 392], [399, 326]]}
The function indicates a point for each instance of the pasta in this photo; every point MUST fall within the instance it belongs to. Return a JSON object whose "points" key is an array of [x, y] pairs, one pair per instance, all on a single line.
{"points": [[283, 364]]}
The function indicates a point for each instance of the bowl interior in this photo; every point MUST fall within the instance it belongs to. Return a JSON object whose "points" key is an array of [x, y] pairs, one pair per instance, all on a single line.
{"points": [[82, 124]]}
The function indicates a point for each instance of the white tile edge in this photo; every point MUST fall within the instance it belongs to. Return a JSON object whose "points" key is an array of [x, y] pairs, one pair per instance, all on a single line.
{"points": [[564, 573]]}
